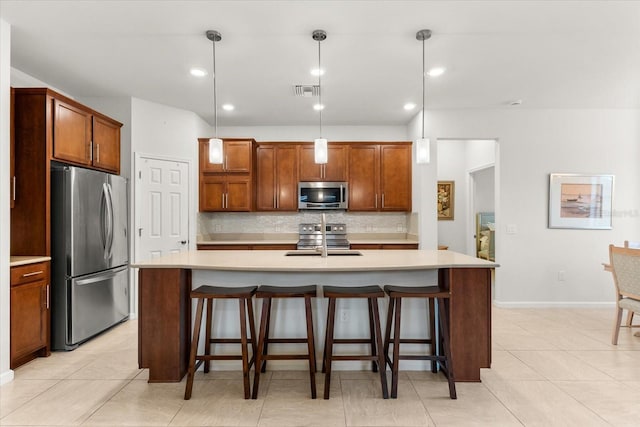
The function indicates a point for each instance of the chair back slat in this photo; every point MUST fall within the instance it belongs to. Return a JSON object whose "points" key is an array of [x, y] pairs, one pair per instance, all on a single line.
{"points": [[625, 263]]}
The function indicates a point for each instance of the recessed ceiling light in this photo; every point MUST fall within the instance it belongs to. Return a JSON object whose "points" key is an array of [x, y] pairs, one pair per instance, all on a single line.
{"points": [[409, 106], [436, 71], [228, 107], [318, 107], [198, 72], [317, 72]]}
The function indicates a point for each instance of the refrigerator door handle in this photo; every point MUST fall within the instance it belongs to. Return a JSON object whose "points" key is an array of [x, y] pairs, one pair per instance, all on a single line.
{"points": [[100, 276], [103, 220], [111, 220]]}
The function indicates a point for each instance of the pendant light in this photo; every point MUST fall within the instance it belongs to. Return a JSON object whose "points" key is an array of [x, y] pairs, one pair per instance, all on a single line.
{"points": [[422, 144], [320, 147], [216, 155]]}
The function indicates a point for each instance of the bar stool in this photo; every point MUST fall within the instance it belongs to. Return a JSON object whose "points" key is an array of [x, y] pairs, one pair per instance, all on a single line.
{"points": [[431, 293], [371, 293], [268, 293], [209, 293]]}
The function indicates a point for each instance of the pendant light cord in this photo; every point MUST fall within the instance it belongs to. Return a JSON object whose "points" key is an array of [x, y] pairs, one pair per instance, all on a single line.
{"points": [[215, 99], [423, 88], [319, 89]]}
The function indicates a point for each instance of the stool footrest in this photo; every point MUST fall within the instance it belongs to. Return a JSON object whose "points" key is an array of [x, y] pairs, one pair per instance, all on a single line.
{"points": [[286, 340], [228, 341], [354, 357], [285, 357], [413, 341], [221, 357], [421, 357], [352, 341]]}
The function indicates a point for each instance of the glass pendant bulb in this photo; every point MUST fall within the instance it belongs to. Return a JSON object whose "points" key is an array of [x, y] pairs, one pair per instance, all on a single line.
{"points": [[423, 150], [215, 151], [320, 150]]}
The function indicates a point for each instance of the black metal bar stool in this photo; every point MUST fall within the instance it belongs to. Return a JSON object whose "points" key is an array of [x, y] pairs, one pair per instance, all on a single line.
{"points": [[371, 293], [431, 293], [209, 293], [267, 293]]}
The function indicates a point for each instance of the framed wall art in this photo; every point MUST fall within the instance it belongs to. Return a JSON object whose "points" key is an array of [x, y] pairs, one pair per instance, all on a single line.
{"points": [[580, 201], [446, 200]]}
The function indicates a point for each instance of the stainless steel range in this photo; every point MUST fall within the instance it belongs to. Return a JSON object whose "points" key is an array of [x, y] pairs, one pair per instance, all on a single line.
{"points": [[310, 236]]}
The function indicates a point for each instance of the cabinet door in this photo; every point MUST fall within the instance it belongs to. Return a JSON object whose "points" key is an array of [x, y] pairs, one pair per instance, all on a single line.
{"points": [[395, 177], [238, 196], [363, 177], [237, 156], [309, 169], [71, 133], [334, 170], [212, 193], [106, 145], [265, 178], [336, 167], [12, 155], [286, 178], [29, 308]]}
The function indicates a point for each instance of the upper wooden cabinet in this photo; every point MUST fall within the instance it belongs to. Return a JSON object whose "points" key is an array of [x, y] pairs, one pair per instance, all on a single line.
{"points": [[236, 152], [83, 137], [226, 187], [49, 126], [334, 170], [380, 177], [12, 157], [276, 177]]}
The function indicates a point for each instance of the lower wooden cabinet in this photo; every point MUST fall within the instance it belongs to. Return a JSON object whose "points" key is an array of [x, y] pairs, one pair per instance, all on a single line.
{"points": [[365, 246], [30, 312], [253, 246]]}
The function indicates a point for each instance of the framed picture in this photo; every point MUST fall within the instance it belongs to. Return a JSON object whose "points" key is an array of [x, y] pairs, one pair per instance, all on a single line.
{"points": [[446, 199], [580, 201]]}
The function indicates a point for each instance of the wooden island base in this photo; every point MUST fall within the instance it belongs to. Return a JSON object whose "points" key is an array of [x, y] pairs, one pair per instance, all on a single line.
{"points": [[165, 307]]}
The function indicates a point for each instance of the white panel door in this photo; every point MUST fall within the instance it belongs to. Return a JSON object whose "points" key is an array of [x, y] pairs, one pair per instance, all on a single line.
{"points": [[164, 203]]}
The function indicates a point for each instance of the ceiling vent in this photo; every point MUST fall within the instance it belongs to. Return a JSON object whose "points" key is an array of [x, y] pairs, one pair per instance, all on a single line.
{"points": [[306, 91]]}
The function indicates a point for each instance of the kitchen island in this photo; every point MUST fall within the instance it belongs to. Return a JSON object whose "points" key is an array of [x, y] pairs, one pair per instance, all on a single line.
{"points": [[165, 306]]}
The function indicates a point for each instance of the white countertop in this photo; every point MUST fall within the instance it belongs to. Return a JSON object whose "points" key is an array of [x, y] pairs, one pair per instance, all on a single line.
{"points": [[15, 261], [371, 260]]}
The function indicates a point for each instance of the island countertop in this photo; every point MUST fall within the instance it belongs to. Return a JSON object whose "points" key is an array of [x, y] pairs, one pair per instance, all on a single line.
{"points": [[273, 260]]}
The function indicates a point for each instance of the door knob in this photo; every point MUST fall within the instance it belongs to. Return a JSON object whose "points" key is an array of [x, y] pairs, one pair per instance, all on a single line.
{"points": [[183, 242]]}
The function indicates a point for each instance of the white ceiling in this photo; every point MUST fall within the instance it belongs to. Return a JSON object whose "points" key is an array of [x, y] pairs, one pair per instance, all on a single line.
{"points": [[550, 54]]}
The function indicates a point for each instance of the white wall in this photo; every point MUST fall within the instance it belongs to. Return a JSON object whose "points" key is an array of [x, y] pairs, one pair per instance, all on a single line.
{"points": [[485, 190], [456, 158], [6, 374], [308, 133], [534, 143]]}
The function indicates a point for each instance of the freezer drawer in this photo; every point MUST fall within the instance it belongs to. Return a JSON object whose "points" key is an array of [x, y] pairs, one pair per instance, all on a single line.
{"points": [[94, 303]]}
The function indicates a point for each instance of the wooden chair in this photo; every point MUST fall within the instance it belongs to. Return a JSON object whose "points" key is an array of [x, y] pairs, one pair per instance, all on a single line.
{"points": [[267, 294], [394, 314], [244, 296], [634, 245], [371, 294], [625, 266]]}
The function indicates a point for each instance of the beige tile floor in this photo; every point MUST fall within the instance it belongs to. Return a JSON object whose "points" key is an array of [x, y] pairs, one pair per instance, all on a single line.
{"points": [[551, 367]]}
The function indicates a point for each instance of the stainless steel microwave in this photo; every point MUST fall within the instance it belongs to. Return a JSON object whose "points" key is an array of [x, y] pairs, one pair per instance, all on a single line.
{"points": [[323, 195]]}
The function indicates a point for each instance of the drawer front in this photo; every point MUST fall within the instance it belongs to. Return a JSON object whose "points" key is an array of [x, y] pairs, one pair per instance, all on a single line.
{"points": [[29, 273]]}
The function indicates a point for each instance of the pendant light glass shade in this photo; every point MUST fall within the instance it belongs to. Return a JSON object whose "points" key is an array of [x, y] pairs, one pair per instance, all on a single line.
{"points": [[320, 147], [216, 155], [423, 150], [320, 150], [215, 151]]}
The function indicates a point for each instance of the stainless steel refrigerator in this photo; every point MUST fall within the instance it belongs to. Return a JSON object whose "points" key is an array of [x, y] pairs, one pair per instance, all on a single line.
{"points": [[89, 241]]}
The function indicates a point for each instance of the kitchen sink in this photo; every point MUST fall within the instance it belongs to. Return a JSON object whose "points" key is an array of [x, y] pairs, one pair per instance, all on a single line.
{"points": [[330, 252]]}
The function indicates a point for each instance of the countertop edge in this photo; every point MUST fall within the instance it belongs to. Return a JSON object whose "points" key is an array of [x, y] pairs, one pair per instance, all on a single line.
{"points": [[15, 261]]}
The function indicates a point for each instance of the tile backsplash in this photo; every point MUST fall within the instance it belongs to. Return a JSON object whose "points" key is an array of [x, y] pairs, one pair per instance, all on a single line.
{"points": [[264, 222]]}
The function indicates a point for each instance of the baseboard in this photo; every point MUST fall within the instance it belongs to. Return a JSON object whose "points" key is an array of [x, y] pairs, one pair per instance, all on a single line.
{"points": [[553, 304], [6, 377]]}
